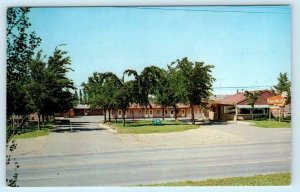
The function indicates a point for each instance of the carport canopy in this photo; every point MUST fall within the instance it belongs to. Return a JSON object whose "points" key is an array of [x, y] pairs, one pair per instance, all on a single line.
{"points": [[255, 106]]}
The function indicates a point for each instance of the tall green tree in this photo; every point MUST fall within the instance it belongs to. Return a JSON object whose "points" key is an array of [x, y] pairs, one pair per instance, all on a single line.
{"points": [[124, 97], [197, 81], [94, 89], [59, 85], [251, 98], [110, 88], [76, 98], [101, 90], [85, 98], [162, 92], [37, 88], [283, 85], [49, 87], [80, 97], [21, 44], [144, 84]]}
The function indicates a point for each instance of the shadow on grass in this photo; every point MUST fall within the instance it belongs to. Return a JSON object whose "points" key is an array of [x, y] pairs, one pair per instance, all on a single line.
{"points": [[69, 129]]}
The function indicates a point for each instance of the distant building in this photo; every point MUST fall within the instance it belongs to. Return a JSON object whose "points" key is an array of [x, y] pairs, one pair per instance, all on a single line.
{"points": [[83, 109]]}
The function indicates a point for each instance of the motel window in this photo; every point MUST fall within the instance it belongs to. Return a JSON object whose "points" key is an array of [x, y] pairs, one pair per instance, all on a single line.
{"points": [[229, 110], [258, 111], [182, 111], [146, 112], [245, 111], [166, 111], [150, 112], [171, 112], [158, 111], [119, 112]]}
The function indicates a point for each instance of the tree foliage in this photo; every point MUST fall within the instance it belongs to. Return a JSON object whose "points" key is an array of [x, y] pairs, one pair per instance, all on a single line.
{"points": [[48, 86], [144, 84], [283, 85], [182, 82], [251, 98], [196, 81], [21, 45]]}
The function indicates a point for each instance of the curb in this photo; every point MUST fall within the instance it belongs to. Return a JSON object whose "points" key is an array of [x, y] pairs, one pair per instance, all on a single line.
{"points": [[108, 128]]}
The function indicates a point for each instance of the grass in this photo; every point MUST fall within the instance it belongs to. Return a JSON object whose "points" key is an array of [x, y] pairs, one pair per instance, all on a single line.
{"points": [[278, 179], [32, 131], [271, 124], [145, 127]]}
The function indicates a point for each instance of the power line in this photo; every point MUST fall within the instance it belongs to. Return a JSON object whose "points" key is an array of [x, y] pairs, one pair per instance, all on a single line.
{"points": [[204, 10], [241, 87]]}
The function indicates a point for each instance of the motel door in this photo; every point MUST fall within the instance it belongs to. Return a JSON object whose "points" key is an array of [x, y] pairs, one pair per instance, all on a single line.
{"points": [[119, 114], [182, 112], [171, 113], [150, 113]]}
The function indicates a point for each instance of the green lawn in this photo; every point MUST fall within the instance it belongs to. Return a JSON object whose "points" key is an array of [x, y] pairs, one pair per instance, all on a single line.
{"points": [[279, 179], [270, 124], [32, 131], [145, 126]]}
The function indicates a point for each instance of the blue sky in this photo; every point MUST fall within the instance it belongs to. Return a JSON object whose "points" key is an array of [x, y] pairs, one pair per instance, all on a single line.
{"points": [[249, 46]]}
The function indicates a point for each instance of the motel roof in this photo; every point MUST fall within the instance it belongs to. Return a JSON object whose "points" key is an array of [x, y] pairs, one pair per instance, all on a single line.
{"points": [[240, 99]]}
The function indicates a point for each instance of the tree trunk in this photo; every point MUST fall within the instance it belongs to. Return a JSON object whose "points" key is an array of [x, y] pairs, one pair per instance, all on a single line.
{"points": [[116, 115], [163, 113], [133, 115], [43, 120], [104, 115], [109, 119], [252, 113], [47, 117], [175, 112], [193, 115], [39, 119], [123, 116]]}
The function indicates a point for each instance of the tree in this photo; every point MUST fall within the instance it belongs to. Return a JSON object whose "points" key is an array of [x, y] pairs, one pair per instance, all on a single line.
{"points": [[76, 98], [167, 91], [20, 48], [49, 87], [144, 84], [283, 85], [196, 82], [85, 98], [80, 97], [177, 90], [110, 88], [124, 97], [36, 87], [251, 98], [162, 92], [58, 84], [101, 89]]}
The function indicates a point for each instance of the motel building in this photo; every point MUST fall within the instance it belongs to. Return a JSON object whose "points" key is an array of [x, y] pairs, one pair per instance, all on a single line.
{"points": [[155, 111], [135, 111], [235, 107]]}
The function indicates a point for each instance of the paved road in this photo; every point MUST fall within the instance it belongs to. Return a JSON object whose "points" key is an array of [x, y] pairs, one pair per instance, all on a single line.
{"points": [[154, 165], [91, 156]]}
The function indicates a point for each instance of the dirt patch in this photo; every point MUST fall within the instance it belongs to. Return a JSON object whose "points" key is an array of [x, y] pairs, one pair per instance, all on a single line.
{"points": [[30, 145], [186, 138]]}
